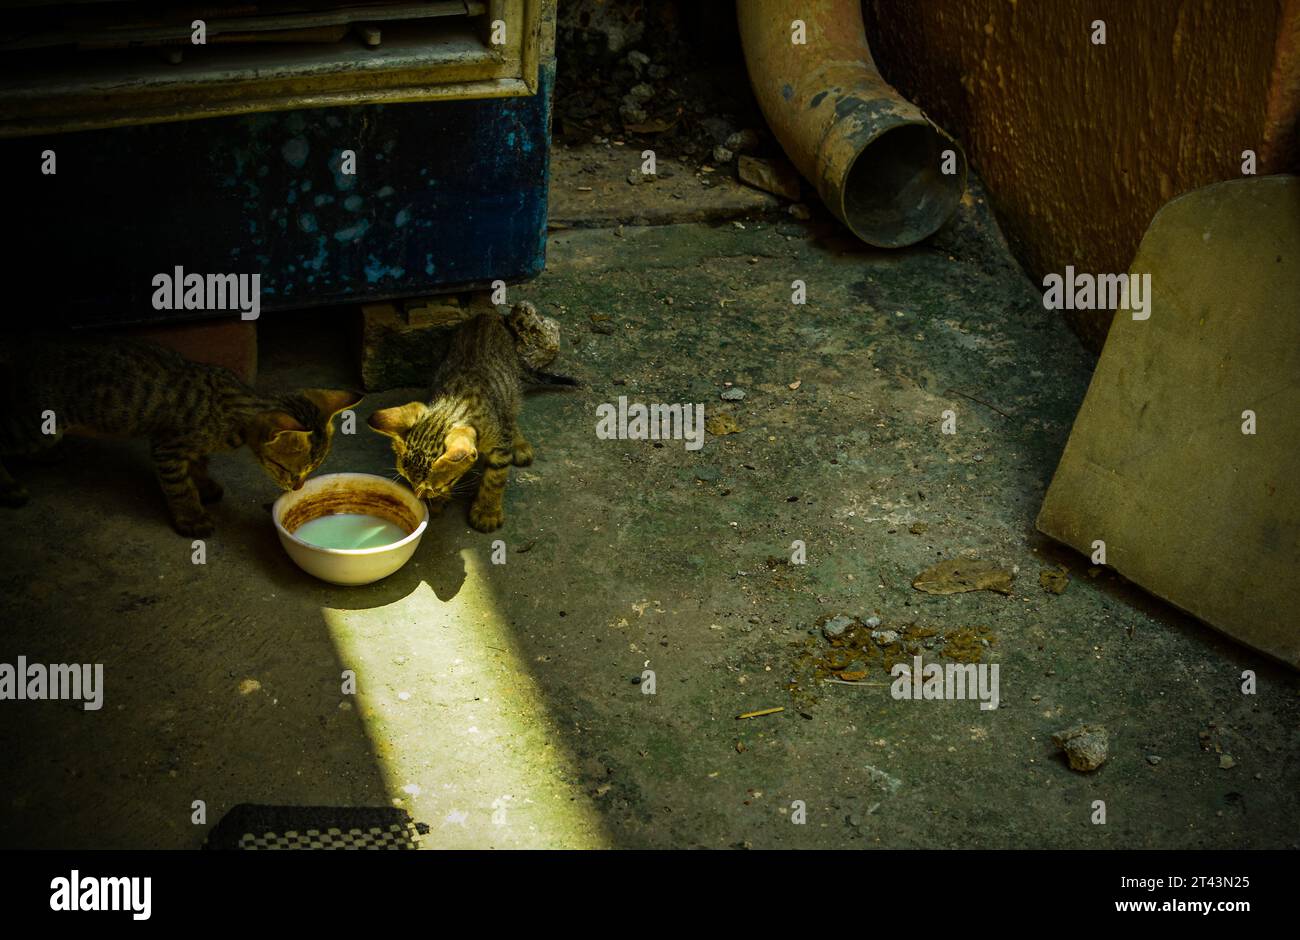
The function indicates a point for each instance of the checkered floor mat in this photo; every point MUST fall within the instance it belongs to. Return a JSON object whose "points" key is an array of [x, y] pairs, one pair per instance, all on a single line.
{"points": [[251, 827]]}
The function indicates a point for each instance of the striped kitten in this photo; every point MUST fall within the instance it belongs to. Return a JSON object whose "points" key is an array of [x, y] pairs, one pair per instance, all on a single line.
{"points": [[187, 410], [476, 398]]}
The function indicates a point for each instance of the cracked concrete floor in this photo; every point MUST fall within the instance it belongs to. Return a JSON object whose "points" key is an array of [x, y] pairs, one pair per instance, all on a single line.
{"points": [[499, 703]]}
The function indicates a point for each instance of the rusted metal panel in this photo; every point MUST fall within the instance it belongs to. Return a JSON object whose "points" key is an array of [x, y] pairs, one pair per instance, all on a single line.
{"points": [[446, 195], [464, 59]]}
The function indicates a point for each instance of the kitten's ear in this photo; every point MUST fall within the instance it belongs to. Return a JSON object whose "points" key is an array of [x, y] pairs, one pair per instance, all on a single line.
{"points": [[397, 422], [462, 444], [330, 401], [271, 424]]}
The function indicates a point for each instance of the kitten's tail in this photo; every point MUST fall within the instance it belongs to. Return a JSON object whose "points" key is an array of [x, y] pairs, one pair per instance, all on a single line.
{"points": [[538, 377]]}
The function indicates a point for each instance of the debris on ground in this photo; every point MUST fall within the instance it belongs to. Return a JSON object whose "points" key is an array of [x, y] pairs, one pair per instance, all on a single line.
{"points": [[1086, 746], [721, 425], [761, 712], [733, 394], [959, 575], [661, 94], [854, 649], [887, 782], [772, 176], [1055, 580]]}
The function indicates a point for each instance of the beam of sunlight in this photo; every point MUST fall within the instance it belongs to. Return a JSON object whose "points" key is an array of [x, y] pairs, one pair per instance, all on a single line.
{"points": [[459, 725]]}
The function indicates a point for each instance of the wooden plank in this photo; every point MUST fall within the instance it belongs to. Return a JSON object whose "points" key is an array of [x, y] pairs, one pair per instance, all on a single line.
{"points": [[117, 34], [1158, 466]]}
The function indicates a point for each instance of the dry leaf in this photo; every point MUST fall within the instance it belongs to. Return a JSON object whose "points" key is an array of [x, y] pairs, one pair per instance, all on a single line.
{"points": [[1055, 580], [722, 424], [959, 575]]}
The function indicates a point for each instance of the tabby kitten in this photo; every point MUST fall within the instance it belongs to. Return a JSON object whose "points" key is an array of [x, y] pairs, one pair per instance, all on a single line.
{"points": [[476, 398], [187, 410]]}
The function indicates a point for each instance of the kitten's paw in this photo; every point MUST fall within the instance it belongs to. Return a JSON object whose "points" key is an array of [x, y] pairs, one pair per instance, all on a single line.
{"points": [[198, 527], [14, 496], [210, 491], [523, 455], [486, 518]]}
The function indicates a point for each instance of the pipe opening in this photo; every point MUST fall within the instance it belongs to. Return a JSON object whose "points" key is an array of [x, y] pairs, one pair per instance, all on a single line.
{"points": [[895, 193]]}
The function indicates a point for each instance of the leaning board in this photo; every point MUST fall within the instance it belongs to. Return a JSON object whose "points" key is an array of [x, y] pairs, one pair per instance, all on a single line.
{"points": [[1157, 465]]}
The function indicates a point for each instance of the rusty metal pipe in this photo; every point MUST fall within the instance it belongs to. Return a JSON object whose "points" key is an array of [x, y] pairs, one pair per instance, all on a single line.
{"points": [[875, 159]]}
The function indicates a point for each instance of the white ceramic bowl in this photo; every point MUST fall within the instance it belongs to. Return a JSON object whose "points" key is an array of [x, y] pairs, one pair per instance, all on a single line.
{"points": [[333, 493]]}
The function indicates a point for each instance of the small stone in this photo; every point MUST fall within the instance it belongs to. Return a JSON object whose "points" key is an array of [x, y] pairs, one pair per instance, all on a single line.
{"points": [[836, 626], [1226, 762], [722, 156], [733, 394], [707, 474], [799, 211], [884, 637], [1086, 746], [855, 820], [639, 93], [772, 176], [745, 141], [638, 61], [873, 621], [633, 114], [1152, 759]]}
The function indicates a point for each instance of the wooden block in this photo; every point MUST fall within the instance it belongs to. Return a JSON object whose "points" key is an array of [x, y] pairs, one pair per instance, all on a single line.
{"points": [[401, 343], [230, 343]]}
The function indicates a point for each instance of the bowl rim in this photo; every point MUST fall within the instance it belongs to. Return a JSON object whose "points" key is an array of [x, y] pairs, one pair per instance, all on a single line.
{"points": [[374, 549]]}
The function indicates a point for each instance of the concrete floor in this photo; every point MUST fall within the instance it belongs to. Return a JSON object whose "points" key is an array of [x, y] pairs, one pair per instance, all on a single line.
{"points": [[498, 703]]}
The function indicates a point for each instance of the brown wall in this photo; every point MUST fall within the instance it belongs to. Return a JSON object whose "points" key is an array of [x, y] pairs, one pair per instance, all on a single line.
{"points": [[1080, 144]]}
